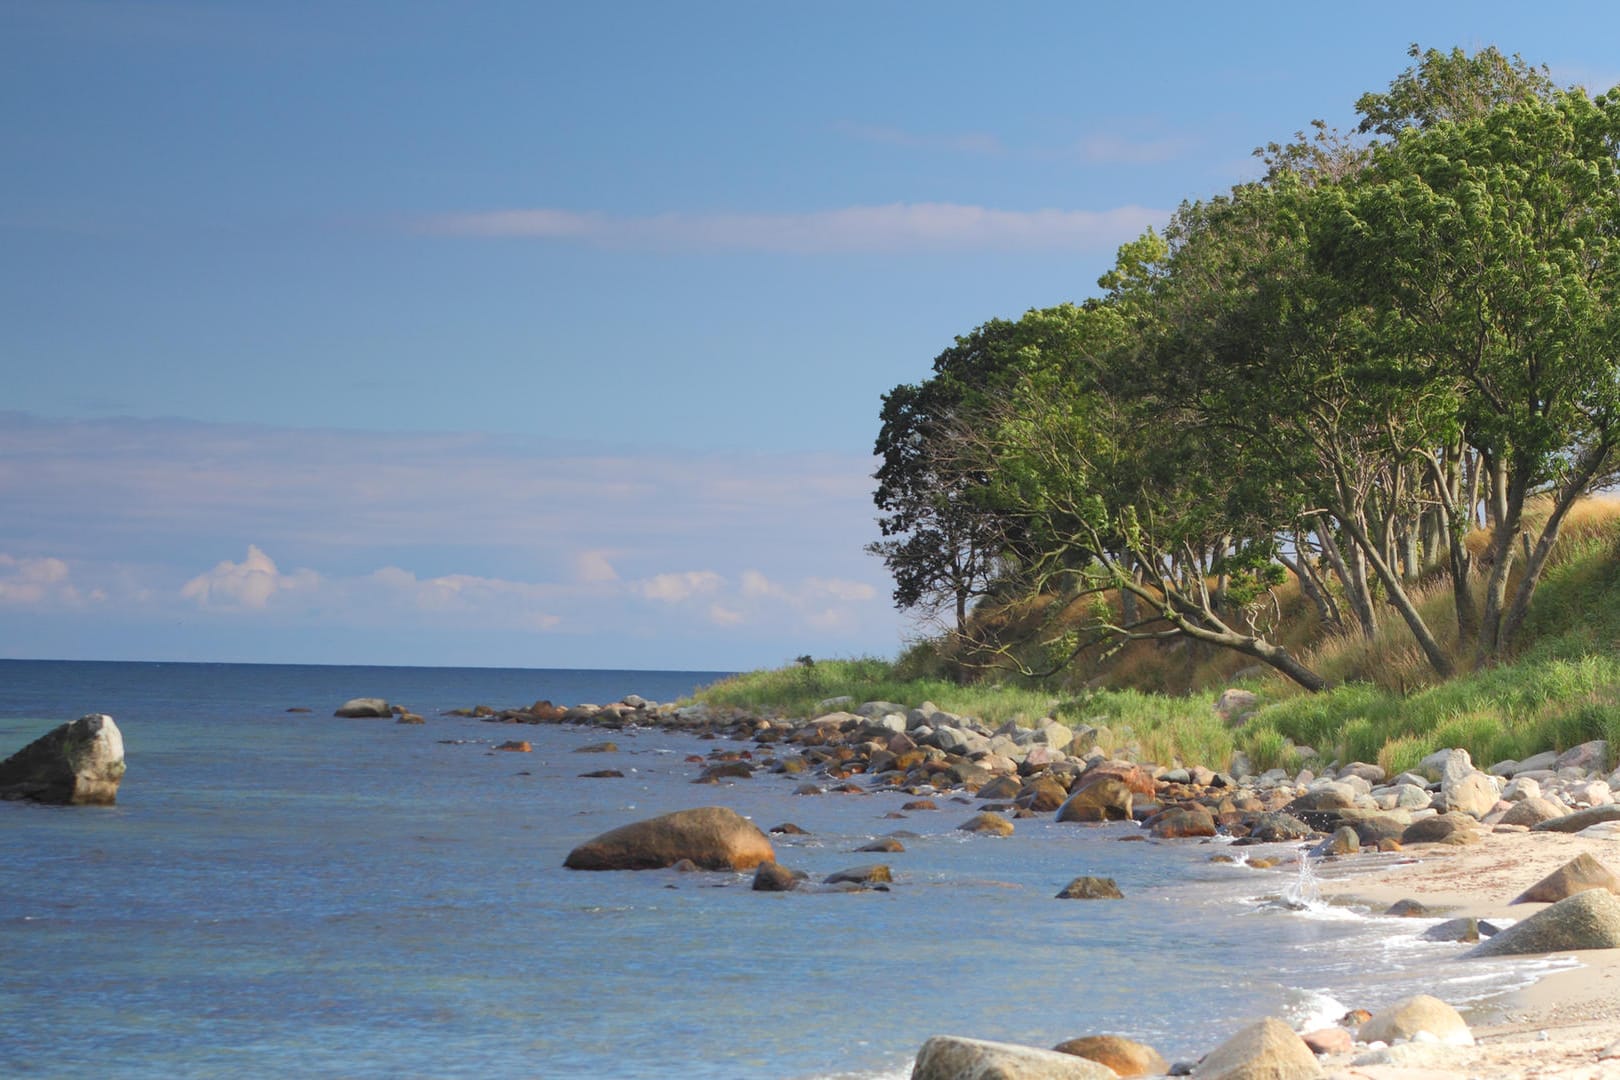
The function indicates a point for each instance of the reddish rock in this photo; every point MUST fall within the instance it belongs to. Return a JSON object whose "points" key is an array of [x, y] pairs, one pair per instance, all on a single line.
{"points": [[920, 804], [1180, 822], [1125, 1056], [1105, 798], [1333, 1040], [516, 746]]}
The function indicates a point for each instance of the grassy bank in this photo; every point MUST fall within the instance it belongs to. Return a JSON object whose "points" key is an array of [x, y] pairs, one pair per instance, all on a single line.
{"points": [[1562, 688]]}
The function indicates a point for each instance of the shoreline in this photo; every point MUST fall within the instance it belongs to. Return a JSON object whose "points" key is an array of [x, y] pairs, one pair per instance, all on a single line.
{"points": [[1561, 1023], [1558, 1026]]}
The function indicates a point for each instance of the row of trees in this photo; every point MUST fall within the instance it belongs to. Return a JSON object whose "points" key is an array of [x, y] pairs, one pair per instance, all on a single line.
{"points": [[1331, 376]]}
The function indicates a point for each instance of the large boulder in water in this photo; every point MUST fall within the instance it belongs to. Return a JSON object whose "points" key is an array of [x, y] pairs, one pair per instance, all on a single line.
{"points": [[77, 764], [951, 1057], [364, 707], [713, 837], [1587, 920], [1107, 798]]}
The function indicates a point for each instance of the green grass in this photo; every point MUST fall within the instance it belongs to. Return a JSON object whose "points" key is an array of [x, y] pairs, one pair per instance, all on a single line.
{"points": [[1562, 689], [798, 690]]}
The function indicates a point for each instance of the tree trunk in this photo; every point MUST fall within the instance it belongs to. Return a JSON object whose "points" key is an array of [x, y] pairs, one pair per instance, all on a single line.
{"points": [[1354, 580], [1402, 603]]}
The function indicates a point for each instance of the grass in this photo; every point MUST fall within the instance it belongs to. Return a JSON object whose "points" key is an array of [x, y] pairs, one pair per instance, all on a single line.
{"points": [[1563, 687]]}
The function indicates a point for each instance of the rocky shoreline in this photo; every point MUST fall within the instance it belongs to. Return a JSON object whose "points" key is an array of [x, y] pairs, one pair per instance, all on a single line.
{"points": [[1438, 817]]}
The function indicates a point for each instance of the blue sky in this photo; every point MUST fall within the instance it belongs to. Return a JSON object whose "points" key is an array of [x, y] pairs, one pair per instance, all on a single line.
{"points": [[541, 335]]}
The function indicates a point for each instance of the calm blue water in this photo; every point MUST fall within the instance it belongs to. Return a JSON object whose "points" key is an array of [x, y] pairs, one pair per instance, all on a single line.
{"points": [[284, 894]]}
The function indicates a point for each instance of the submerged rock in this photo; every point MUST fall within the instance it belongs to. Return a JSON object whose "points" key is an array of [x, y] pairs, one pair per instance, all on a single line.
{"points": [[713, 837], [365, 707], [80, 763], [1091, 888], [772, 877]]}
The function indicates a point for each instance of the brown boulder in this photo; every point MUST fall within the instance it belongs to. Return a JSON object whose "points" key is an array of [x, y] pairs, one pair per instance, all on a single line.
{"points": [[1180, 822], [516, 746], [773, 877], [1125, 1056], [1579, 874], [1091, 888], [1043, 795], [1106, 798], [886, 844], [873, 874], [1448, 828], [994, 824], [712, 836]]}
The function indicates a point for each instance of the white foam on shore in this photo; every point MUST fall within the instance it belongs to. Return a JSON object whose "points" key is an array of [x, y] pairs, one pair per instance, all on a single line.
{"points": [[1314, 1011]]}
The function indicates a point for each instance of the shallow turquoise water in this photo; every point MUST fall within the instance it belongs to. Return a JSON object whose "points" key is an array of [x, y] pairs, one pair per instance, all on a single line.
{"points": [[296, 895]]}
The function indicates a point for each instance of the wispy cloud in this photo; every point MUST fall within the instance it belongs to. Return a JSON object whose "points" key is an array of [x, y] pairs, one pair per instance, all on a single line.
{"points": [[635, 557], [1116, 150], [673, 588], [893, 228], [40, 581]]}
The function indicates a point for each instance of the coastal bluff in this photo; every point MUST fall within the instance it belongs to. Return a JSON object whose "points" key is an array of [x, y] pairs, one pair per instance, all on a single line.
{"points": [[80, 763]]}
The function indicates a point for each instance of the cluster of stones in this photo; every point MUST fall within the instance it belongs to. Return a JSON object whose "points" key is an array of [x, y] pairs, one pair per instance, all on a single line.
{"points": [[1416, 1032], [1052, 768], [1019, 771]]}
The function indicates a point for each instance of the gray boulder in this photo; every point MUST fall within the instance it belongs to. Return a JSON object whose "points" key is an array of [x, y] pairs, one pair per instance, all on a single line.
{"points": [[1580, 819], [1587, 920], [951, 1057], [1472, 793], [1589, 757], [80, 763], [365, 707], [1532, 811]]}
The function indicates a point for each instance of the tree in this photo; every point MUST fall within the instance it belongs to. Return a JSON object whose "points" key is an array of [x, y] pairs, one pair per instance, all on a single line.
{"points": [[1491, 247]]}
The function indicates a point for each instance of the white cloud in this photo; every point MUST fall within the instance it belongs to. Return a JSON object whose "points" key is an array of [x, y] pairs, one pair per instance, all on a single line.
{"points": [[893, 228], [674, 588], [593, 567], [724, 616], [247, 584], [35, 581], [521, 601]]}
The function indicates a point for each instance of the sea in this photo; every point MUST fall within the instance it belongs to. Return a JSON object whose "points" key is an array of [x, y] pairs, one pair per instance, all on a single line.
{"points": [[289, 894]]}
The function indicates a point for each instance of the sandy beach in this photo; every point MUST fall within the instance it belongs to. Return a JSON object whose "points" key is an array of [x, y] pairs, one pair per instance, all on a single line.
{"points": [[1558, 1028]]}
